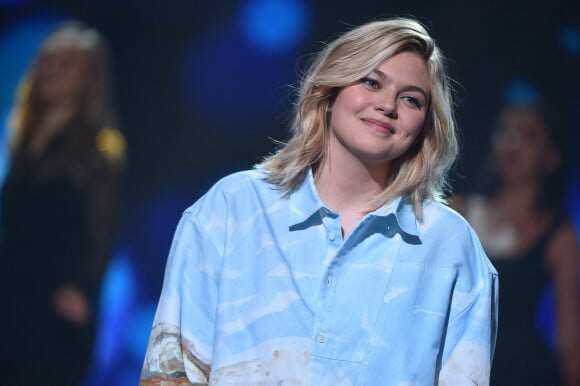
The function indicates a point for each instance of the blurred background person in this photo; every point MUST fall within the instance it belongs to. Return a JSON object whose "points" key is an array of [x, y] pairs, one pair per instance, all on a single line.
{"points": [[521, 218], [59, 208]]}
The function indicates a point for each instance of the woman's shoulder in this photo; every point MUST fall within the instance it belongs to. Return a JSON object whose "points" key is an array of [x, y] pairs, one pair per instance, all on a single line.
{"points": [[237, 188], [240, 182], [564, 243], [457, 236], [468, 203], [443, 215]]}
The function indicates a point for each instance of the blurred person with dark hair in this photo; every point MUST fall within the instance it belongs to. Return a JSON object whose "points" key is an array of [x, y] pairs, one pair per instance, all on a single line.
{"points": [[59, 210], [520, 217]]}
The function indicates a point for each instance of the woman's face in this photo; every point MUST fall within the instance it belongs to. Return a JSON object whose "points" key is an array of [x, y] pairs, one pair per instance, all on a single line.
{"points": [[377, 119], [521, 146], [61, 74]]}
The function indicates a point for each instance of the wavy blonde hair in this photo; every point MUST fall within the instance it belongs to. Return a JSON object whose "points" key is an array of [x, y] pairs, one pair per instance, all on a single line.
{"points": [[422, 171]]}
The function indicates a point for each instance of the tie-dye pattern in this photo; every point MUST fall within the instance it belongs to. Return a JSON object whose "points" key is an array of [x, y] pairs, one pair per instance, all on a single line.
{"points": [[262, 289]]}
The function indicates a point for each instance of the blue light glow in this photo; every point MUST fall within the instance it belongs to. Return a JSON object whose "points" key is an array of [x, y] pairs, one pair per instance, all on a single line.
{"points": [[521, 92], [274, 25], [230, 85], [18, 46], [4, 138], [570, 39], [12, 2], [545, 312], [138, 330], [117, 298]]}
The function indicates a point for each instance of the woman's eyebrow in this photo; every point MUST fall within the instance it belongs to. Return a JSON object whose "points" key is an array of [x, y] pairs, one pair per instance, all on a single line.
{"points": [[409, 87]]}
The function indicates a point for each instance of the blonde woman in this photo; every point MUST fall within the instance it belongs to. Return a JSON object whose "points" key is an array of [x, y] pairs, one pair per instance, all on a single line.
{"points": [[335, 261], [58, 210]]}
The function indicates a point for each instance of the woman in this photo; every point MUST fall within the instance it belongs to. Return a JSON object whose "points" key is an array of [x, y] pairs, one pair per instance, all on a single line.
{"points": [[520, 217], [58, 210], [334, 261]]}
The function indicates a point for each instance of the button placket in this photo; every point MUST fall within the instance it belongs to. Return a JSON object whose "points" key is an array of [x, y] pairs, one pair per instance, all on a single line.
{"points": [[323, 342]]}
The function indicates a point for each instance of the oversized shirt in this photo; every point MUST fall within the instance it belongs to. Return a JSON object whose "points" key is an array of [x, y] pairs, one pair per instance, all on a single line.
{"points": [[262, 289]]}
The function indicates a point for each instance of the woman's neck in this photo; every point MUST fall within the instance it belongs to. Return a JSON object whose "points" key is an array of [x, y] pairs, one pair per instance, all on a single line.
{"points": [[519, 197], [348, 187]]}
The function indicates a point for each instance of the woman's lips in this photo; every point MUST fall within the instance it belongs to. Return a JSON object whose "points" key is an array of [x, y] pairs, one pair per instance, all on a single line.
{"points": [[378, 124]]}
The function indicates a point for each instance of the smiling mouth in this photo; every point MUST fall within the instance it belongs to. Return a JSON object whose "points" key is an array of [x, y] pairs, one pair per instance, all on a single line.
{"points": [[379, 125]]}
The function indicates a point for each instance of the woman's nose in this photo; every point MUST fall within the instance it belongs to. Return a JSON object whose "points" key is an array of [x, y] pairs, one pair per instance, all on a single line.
{"points": [[507, 138], [387, 105]]}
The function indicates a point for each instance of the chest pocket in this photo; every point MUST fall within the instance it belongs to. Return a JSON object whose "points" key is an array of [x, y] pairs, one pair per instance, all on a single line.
{"points": [[416, 311]]}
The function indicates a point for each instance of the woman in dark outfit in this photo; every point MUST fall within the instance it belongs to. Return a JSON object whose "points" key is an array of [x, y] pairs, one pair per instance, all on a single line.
{"points": [[521, 221], [58, 211]]}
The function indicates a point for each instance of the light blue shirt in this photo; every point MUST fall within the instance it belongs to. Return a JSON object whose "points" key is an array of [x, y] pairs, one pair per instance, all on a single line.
{"points": [[262, 289]]}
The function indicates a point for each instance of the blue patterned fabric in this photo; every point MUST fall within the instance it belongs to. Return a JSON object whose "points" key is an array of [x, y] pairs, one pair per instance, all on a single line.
{"points": [[263, 289]]}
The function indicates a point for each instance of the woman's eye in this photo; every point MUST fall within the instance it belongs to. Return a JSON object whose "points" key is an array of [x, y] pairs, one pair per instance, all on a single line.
{"points": [[372, 83], [412, 100]]}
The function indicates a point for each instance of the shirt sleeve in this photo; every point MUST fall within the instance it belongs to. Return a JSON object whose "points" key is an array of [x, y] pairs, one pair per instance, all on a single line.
{"points": [[180, 345], [470, 340]]}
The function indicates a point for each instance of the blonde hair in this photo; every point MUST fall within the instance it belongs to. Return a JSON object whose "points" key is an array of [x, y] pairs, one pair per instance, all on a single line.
{"points": [[422, 170], [94, 110]]}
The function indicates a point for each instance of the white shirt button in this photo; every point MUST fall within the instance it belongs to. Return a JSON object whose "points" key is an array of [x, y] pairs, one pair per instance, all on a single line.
{"points": [[331, 236], [321, 338]]}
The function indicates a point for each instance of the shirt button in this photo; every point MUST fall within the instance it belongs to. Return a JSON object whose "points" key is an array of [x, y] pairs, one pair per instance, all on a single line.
{"points": [[331, 236], [321, 338]]}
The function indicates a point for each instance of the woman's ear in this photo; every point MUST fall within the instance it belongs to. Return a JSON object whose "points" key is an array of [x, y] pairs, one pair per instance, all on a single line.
{"points": [[330, 104], [331, 99]]}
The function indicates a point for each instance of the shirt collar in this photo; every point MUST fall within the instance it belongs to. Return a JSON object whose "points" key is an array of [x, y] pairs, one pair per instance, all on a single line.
{"points": [[307, 209], [403, 211], [305, 205]]}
